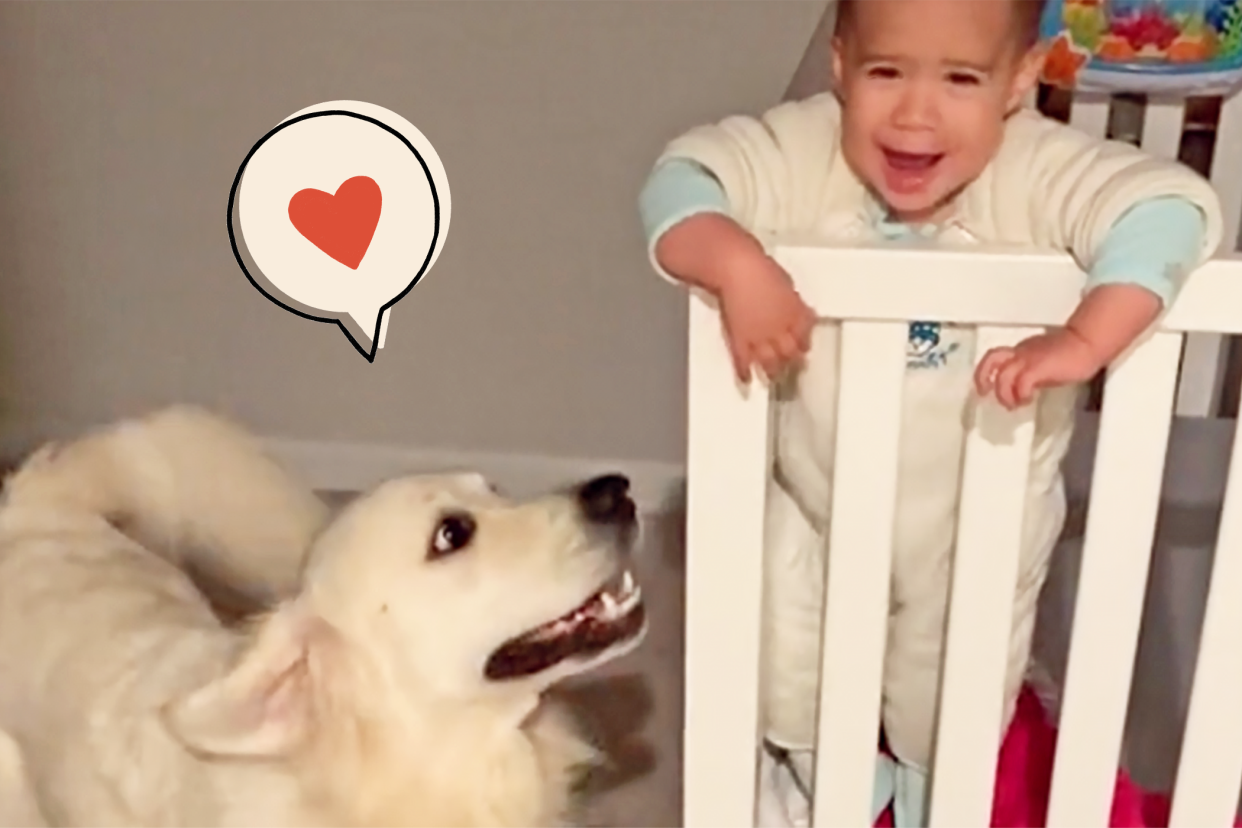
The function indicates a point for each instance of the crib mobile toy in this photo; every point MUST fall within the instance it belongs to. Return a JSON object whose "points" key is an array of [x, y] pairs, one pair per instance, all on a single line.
{"points": [[1160, 47]]}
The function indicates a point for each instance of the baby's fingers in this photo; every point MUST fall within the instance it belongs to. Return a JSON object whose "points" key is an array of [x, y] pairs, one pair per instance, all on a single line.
{"points": [[988, 368], [1008, 381], [790, 349], [769, 358], [1030, 380], [808, 319], [801, 333], [741, 357]]}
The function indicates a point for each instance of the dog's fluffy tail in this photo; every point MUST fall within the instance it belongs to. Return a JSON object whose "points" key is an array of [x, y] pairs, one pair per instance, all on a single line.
{"points": [[190, 486]]}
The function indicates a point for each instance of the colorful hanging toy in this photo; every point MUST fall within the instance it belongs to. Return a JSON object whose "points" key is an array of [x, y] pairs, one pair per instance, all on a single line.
{"points": [[1160, 47]]}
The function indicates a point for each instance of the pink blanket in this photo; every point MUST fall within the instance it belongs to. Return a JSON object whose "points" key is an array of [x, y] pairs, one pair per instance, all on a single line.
{"points": [[1024, 777]]}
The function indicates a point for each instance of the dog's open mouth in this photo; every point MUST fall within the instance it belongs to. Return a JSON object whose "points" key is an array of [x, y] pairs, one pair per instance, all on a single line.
{"points": [[612, 616]]}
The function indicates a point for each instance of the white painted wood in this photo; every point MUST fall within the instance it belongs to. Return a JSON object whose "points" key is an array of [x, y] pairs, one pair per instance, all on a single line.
{"points": [[1205, 355], [1227, 167], [1129, 467], [859, 563], [1210, 770], [1197, 392], [876, 290], [985, 285], [985, 566], [727, 474], [1204, 359], [1089, 113], [1162, 128]]}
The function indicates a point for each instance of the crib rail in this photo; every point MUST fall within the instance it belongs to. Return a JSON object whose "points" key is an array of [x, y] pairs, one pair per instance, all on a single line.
{"points": [[1007, 294]]}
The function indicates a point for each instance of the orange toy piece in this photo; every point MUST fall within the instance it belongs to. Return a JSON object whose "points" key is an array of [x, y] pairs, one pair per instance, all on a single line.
{"points": [[1189, 50], [1115, 49], [1065, 59]]}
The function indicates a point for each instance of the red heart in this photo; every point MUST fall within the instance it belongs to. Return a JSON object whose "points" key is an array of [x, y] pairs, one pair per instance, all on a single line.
{"points": [[339, 224]]}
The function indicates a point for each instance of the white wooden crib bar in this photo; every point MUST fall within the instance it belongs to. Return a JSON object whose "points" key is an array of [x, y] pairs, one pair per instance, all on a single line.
{"points": [[1007, 294]]}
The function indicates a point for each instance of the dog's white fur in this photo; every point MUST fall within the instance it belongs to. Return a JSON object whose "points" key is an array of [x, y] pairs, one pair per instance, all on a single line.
{"points": [[357, 700]]}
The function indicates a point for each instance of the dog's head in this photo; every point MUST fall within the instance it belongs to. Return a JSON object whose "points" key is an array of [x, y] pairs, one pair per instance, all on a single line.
{"points": [[445, 592], [469, 591]]}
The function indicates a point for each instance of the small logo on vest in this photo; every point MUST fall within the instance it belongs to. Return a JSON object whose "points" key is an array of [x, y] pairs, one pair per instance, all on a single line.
{"points": [[924, 348]]}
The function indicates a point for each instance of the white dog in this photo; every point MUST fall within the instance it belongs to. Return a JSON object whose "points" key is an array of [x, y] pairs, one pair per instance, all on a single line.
{"points": [[396, 681]]}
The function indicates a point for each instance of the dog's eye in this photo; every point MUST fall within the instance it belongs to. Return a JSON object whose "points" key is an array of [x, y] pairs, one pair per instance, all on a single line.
{"points": [[453, 534]]}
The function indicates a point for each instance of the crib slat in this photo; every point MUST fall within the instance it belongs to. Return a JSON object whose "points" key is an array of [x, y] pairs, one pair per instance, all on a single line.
{"points": [[1203, 372], [1129, 465], [859, 563], [727, 473], [1227, 168], [1204, 362], [1209, 773], [1089, 113], [985, 567], [1196, 394], [1162, 127]]}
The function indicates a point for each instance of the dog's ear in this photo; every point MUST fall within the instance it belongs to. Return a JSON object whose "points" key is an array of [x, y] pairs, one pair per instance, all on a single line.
{"points": [[263, 706]]}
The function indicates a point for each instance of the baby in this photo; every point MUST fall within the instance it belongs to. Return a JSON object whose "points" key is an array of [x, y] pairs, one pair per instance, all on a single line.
{"points": [[924, 136]]}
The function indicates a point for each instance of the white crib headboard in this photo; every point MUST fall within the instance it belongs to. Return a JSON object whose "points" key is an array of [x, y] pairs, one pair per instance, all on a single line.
{"points": [[875, 292]]}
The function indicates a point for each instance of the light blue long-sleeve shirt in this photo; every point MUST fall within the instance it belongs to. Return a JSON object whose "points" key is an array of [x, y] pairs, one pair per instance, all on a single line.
{"points": [[1152, 245]]}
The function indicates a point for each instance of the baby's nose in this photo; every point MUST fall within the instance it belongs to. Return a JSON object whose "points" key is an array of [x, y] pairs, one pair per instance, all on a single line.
{"points": [[916, 109]]}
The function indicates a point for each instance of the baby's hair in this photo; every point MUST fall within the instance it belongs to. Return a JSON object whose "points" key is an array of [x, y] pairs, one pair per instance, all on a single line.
{"points": [[1027, 16]]}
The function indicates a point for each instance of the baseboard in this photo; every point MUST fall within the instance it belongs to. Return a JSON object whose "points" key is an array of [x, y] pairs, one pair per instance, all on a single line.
{"points": [[342, 466], [349, 467]]}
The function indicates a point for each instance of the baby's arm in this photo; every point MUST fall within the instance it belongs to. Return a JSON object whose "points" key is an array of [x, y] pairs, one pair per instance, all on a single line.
{"points": [[681, 195], [692, 238], [1137, 271], [701, 207]]}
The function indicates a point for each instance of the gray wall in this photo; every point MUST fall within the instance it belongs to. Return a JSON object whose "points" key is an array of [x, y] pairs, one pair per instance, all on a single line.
{"points": [[540, 330]]}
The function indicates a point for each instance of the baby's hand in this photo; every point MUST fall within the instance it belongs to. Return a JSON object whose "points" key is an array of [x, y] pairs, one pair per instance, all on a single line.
{"points": [[1059, 357], [765, 320]]}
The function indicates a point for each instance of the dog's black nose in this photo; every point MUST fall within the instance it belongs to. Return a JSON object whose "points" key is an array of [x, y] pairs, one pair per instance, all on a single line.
{"points": [[606, 500]]}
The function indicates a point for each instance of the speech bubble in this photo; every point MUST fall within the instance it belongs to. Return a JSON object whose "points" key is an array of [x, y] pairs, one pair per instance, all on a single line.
{"points": [[337, 213]]}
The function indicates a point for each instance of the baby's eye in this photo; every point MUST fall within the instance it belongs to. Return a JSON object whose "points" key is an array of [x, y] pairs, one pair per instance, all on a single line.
{"points": [[883, 72], [964, 79]]}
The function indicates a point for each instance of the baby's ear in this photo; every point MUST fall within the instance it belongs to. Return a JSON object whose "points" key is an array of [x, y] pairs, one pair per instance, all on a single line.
{"points": [[1027, 77], [838, 62], [263, 706]]}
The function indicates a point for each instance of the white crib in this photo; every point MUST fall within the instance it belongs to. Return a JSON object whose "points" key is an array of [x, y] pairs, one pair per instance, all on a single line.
{"points": [[1007, 294]]}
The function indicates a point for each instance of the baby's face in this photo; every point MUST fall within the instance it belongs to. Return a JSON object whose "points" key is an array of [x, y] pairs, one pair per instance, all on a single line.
{"points": [[926, 86]]}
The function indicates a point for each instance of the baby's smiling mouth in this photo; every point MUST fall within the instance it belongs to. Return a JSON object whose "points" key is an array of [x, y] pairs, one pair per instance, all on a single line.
{"points": [[911, 161], [908, 173]]}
